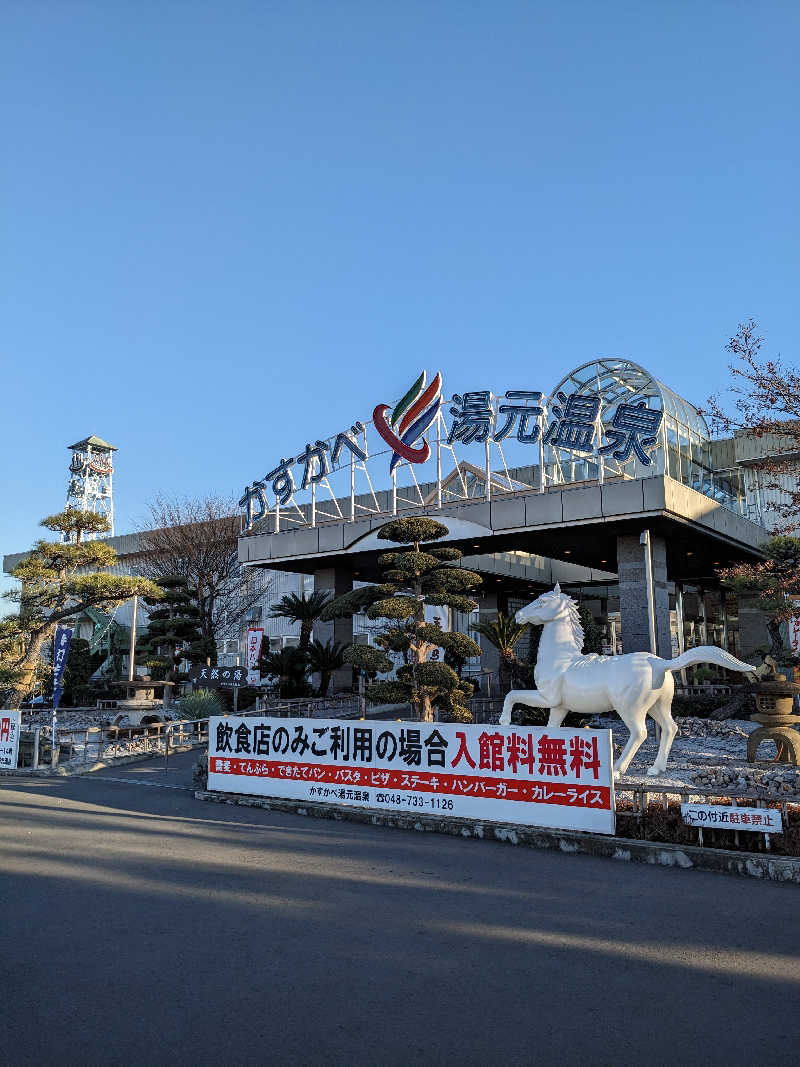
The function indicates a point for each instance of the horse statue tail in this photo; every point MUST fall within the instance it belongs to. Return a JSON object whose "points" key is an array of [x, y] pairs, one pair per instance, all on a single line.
{"points": [[707, 654]]}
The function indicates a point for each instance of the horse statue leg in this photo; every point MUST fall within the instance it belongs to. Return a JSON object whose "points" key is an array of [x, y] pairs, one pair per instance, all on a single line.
{"points": [[557, 716], [661, 713], [531, 698], [634, 719]]}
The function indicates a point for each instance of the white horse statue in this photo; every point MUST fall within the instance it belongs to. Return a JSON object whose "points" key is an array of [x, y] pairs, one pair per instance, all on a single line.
{"points": [[634, 685]]}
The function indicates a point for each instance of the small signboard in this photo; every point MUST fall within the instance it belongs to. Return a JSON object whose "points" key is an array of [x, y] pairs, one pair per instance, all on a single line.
{"points": [[217, 677], [9, 738], [536, 776], [255, 638], [728, 817]]}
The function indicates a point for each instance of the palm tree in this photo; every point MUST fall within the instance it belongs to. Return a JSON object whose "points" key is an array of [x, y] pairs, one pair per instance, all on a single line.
{"points": [[303, 609], [324, 660], [503, 633], [289, 667]]}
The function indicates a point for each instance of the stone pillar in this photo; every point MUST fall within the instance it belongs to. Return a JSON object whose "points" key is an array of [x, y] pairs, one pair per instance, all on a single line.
{"points": [[633, 594], [335, 581], [753, 631], [490, 657]]}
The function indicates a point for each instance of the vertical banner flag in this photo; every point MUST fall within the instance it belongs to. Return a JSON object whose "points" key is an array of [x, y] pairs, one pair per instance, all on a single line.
{"points": [[794, 632], [255, 635], [61, 651]]}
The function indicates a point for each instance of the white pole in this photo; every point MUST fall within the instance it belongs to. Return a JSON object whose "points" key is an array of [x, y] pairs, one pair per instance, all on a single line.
{"points": [[352, 486], [439, 459], [541, 420], [132, 652]]}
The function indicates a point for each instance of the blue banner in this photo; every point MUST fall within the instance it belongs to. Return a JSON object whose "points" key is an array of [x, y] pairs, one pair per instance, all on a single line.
{"points": [[60, 653]]}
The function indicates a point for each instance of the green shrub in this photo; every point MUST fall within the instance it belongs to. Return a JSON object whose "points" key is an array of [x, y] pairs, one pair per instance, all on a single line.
{"points": [[201, 704]]}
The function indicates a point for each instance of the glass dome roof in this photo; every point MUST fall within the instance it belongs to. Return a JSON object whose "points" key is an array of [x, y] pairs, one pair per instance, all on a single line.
{"points": [[620, 379]]}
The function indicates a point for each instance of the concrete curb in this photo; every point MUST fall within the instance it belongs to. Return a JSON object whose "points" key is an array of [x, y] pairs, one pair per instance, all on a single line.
{"points": [[722, 861], [68, 769]]}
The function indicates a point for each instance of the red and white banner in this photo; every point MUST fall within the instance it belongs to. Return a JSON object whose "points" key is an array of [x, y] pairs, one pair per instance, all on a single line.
{"points": [[536, 776], [9, 738], [255, 635]]}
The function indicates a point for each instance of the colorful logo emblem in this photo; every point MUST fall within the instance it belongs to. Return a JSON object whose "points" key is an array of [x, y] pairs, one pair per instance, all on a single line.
{"points": [[409, 421]]}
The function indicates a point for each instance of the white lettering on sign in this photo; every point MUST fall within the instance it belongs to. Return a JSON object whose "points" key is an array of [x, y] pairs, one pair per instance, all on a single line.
{"points": [[728, 817], [537, 776]]}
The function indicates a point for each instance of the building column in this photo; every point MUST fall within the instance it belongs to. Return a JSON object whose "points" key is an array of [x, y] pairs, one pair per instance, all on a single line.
{"points": [[631, 568], [490, 657], [335, 581]]}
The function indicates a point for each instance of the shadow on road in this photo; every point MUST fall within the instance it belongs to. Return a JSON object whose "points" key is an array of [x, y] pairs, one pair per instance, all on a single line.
{"points": [[205, 933]]}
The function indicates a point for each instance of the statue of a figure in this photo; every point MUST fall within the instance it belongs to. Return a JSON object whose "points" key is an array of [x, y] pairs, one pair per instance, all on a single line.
{"points": [[634, 685]]}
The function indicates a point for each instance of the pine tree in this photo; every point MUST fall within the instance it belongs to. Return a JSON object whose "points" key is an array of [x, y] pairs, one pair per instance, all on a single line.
{"points": [[414, 578], [170, 626], [59, 581]]}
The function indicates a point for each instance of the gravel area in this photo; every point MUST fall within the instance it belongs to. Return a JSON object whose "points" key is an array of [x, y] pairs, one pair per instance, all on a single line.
{"points": [[707, 754]]}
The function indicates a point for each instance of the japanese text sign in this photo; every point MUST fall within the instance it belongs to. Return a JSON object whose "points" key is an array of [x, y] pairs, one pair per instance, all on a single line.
{"points": [[727, 817], [218, 677], [538, 776], [9, 738], [60, 652], [255, 637], [794, 632]]}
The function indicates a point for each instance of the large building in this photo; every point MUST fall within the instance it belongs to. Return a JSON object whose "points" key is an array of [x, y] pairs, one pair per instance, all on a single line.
{"points": [[611, 484]]}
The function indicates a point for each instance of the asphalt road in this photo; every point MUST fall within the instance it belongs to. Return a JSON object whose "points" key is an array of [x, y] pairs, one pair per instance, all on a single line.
{"points": [[139, 926]]}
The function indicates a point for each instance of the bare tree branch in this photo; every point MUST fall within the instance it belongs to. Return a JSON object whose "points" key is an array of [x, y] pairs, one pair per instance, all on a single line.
{"points": [[197, 539], [764, 400]]}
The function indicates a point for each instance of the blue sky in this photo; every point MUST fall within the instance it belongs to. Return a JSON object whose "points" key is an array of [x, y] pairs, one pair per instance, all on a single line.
{"points": [[232, 228]]}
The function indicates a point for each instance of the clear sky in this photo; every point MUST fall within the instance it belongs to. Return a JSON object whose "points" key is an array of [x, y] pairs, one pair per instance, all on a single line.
{"points": [[230, 228]]}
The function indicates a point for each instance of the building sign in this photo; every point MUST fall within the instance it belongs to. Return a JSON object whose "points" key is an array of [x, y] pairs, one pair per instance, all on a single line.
{"points": [[409, 421], [9, 738], [727, 817], [529, 775], [576, 423], [217, 677], [255, 637]]}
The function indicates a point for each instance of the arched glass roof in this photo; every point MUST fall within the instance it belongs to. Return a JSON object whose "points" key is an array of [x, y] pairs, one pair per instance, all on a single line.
{"points": [[620, 379]]}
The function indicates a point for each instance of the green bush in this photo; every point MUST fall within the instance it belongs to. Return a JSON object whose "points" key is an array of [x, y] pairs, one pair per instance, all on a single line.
{"points": [[201, 704]]}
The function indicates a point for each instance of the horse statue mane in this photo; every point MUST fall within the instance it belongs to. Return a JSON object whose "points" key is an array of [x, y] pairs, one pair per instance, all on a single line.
{"points": [[574, 617]]}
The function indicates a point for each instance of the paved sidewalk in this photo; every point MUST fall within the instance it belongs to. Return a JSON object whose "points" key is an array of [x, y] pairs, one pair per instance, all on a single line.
{"points": [[152, 772]]}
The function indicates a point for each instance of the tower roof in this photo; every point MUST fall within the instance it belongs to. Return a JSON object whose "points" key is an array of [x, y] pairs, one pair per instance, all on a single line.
{"points": [[95, 442]]}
